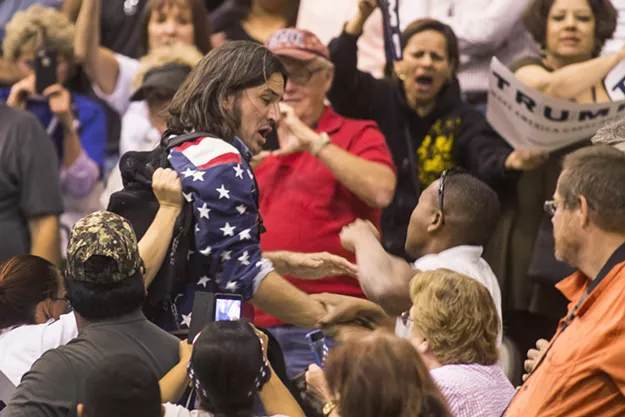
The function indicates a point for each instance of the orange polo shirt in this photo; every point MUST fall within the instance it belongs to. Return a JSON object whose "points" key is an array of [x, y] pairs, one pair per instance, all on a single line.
{"points": [[583, 372]]}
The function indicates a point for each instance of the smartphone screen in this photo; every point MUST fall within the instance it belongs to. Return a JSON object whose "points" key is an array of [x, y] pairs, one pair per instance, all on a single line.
{"points": [[45, 69], [227, 307], [318, 346]]}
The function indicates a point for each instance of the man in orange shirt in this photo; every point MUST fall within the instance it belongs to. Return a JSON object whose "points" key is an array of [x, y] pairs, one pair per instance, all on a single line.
{"points": [[581, 372]]}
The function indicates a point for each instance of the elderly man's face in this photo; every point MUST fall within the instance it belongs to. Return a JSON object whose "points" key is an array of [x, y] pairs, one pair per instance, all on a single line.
{"points": [[307, 85]]}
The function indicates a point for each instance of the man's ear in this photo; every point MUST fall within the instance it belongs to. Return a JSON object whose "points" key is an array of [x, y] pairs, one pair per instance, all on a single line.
{"points": [[584, 211], [80, 410], [436, 222]]}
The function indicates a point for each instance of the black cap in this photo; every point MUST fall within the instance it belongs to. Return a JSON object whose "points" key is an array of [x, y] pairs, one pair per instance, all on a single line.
{"points": [[169, 76]]}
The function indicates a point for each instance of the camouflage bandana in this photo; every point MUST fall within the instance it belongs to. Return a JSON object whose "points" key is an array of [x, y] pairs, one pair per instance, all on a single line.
{"points": [[106, 234]]}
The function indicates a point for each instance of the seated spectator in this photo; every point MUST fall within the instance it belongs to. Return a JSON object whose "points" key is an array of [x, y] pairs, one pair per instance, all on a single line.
{"points": [[421, 113], [164, 23], [454, 326], [580, 371], [328, 172], [76, 124], [228, 368], [571, 34], [252, 20], [33, 300], [29, 208], [121, 386], [160, 74], [32, 313], [104, 284], [455, 217], [379, 375]]}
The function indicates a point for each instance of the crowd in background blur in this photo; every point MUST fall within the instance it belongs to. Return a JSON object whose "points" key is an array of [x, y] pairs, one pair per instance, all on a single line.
{"points": [[437, 253]]}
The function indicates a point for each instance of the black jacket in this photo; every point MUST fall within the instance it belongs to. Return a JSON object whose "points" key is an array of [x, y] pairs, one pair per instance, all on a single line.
{"points": [[422, 147]]}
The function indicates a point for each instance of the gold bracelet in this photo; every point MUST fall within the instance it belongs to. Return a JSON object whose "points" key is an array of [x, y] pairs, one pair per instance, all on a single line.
{"points": [[319, 144], [328, 408]]}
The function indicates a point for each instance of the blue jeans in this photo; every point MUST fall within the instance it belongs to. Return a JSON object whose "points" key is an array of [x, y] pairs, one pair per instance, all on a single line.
{"points": [[297, 353]]}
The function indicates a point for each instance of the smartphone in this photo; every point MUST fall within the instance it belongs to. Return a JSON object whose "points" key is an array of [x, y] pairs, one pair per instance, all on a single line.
{"points": [[318, 346], [228, 307], [45, 69], [201, 314]]}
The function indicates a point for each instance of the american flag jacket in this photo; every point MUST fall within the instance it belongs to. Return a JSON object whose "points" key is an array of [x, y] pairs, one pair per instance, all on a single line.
{"points": [[218, 181]]}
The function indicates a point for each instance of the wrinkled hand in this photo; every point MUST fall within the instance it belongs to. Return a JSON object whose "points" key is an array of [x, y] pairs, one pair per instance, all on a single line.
{"points": [[318, 265], [344, 309], [259, 158], [533, 355], [167, 188], [353, 232], [316, 384], [185, 351], [295, 135], [525, 159], [60, 103], [20, 92]]}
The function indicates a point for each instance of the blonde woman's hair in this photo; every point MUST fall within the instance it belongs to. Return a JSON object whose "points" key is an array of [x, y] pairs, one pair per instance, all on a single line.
{"points": [[38, 27], [178, 53], [457, 316]]}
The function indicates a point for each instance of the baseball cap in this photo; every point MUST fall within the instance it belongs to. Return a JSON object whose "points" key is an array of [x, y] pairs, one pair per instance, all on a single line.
{"points": [[297, 43], [169, 76], [105, 234]]}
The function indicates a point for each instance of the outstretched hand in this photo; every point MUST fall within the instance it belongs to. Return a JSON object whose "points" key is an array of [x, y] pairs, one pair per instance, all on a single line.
{"points": [[342, 309], [318, 265]]}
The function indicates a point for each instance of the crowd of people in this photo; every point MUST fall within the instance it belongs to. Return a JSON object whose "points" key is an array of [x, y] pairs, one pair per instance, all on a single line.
{"points": [[155, 154]]}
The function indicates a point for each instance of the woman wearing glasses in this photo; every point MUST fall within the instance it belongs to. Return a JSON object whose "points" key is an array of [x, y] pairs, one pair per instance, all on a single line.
{"points": [[421, 113], [33, 316]]}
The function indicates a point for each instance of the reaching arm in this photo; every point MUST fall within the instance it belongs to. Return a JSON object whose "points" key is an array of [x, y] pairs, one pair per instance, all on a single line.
{"points": [[277, 399], [310, 265], [71, 9], [99, 63], [572, 80], [45, 238], [383, 277], [174, 383], [153, 246]]}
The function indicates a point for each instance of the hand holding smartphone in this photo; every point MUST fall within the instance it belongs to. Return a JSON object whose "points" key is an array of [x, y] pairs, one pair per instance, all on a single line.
{"points": [[209, 307], [318, 346], [45, 69]]}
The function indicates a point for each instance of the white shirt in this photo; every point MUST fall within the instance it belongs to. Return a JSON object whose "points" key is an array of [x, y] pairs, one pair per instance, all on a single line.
{"points": [[466, 260], [23, 345], [119, 99], [172, 410]]}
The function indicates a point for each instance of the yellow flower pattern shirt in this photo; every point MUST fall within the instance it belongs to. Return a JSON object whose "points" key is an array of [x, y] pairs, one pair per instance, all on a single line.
{"points": [[436, 151]]}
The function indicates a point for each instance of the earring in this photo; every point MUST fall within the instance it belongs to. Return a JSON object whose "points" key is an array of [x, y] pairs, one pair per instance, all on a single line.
{"points": [[401, 76]]}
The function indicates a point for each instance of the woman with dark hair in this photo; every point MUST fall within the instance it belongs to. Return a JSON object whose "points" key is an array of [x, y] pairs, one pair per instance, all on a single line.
{"points": [[252, 20], [32, 319], [165, 22], [379, 375], [421, 113], [571, 35], [228, 369]]}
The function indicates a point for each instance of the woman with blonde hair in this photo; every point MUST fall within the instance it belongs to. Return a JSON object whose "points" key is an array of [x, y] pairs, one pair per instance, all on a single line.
{"points": [[76, 124], [454, 326]]}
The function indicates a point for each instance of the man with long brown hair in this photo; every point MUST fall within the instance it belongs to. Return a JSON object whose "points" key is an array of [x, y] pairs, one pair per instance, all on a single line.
{"points": [[230, 100]]}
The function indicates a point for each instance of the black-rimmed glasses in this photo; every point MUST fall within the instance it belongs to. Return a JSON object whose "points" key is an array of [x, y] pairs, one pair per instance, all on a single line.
{"points": [[441, 188], [550, 207]]}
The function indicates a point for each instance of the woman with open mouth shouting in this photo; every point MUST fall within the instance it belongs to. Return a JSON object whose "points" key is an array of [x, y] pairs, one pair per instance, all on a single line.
{"points": [[421, 113]]}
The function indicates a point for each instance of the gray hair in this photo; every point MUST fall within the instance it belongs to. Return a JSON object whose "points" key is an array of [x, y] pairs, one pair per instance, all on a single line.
{"points": [[612, 135]]}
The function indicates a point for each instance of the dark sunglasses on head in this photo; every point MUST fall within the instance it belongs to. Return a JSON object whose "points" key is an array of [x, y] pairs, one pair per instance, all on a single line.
{"points": [[441, 188]]}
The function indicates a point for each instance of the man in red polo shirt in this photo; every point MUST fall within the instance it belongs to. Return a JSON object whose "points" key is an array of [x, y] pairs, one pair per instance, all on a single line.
{"points": [[328, 172]]}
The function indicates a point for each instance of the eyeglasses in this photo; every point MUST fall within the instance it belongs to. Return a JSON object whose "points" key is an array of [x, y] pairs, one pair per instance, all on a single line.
{"points": [[550, 207], [302, 75], [67, 305], [441, 188]]}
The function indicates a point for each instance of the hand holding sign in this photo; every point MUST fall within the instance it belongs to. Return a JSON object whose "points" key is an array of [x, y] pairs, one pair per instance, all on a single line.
{"points": [[525, 159]]}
